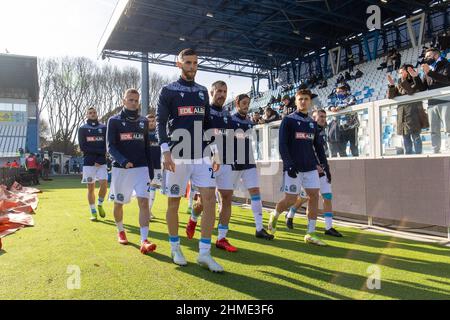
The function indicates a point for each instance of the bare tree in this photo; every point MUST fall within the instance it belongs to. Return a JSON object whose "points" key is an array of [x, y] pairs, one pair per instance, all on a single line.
{"points": [[68, 86]]}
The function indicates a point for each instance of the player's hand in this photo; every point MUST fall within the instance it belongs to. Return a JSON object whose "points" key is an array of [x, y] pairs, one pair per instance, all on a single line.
{"points": [[320, 169], [292, 172], [215, 162], [129, 165], [97, 164], [168, 162], [333, 109], [390, 80], [215, 166], [412, 72], [426, 68]]}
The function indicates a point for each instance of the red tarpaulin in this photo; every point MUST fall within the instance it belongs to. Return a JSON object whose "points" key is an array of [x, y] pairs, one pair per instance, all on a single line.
{"points": [[16, 207]]}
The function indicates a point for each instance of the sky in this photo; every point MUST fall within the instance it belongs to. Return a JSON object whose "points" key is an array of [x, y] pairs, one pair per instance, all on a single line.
{"points": [[52, 28]]}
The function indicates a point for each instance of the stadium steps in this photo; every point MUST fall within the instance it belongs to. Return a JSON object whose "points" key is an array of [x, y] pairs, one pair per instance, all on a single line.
{"points": [[370, 87], [12, 138]]}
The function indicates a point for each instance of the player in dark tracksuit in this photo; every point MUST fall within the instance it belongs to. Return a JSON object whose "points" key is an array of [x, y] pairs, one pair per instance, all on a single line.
{"points": [[183, 107], [244, 166], [127, 142], [320, 116], [302, 151], [221, 126], [155, 154], [92, 142]]}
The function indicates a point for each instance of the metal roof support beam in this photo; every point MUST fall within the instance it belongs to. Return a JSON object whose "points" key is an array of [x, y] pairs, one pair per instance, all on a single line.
{"points": [[138, 57], [145, 87]]}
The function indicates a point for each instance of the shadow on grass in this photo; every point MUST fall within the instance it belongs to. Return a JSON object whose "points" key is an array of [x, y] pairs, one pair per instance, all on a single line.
{"points": [[261, 289]]}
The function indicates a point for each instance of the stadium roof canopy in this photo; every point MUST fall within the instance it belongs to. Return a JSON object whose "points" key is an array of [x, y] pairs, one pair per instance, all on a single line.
{"points": [[239, 37]]}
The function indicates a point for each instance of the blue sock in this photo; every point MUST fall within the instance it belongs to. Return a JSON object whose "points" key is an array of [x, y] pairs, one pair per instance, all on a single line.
{"points": [[204, 245], [174, 242]]}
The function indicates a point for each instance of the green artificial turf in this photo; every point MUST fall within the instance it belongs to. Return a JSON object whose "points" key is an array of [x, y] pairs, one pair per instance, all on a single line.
{"points": [[37, 263]]}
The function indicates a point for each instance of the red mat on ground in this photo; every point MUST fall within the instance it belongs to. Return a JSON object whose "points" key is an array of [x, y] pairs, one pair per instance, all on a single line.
{"points": [[16, 207]]}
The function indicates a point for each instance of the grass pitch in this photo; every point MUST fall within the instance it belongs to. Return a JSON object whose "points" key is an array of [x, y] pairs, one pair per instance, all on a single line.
{"points": [[41, 262]]}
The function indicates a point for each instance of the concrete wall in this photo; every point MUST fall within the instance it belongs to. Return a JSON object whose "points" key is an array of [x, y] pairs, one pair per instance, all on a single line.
{"points": [[403, 189]]}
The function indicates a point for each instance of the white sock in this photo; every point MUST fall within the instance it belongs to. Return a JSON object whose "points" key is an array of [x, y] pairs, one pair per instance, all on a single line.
{"points": [[328, 220], [204, 246], [311, 226], [191, 198], [222, 230], [174, 242], [100, 201], [120, 226], [92, 207], [291, 213], [257, 211], [144, 233], [152, 197]]}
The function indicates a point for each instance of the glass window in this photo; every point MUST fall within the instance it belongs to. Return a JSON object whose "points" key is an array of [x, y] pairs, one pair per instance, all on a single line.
{"points": [[257, 144], [406, 128], [348, 134], [20, 107], [6, 106], [274, 153]]}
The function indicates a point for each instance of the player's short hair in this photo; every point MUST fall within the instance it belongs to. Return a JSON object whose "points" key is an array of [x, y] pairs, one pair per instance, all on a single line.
{"points": [[151, 115], [286, 97], [320, 111], [91, 108], [241, 97], [434, 50], [130, 91], [342, 86], [217, 84], [305, 92], [186, 52]]}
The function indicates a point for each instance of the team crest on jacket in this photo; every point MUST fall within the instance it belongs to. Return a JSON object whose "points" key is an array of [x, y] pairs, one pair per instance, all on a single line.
{"points": [[100, 130], [123, 123], [311, 125], [201, 95], [141, 125], [182, 94]]}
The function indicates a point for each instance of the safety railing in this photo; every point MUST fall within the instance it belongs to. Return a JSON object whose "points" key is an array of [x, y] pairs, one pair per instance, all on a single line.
{"points": [[376, 134]]}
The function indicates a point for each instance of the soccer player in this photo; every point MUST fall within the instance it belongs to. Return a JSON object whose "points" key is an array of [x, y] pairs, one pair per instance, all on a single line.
{"points": [[218, 123], [92, 141], [183, 106], [302, 151], [233, 169], [320, 116], [127, 142], [155, 154], [244, 167]]}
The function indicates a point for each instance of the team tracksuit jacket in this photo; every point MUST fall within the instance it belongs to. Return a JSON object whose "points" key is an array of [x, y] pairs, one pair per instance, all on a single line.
{"points": [[155, 150], [127, 141], [183, 105], [300, 142], [92, 141]]}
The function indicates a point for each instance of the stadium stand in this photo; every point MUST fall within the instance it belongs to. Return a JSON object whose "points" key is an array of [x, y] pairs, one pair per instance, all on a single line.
{"points": [[12, 138], [19, 96], [370, 87]]}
